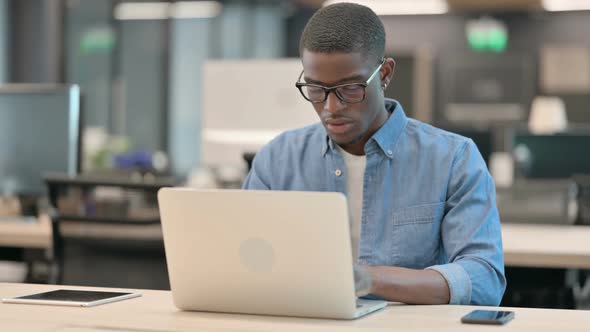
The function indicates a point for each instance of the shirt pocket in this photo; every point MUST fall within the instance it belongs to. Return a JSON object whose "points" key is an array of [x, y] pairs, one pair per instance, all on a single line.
{"points": [[415, 235], [418, 214]]}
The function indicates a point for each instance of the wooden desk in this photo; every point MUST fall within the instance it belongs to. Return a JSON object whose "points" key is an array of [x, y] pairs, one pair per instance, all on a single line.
{"points": [[26, 235], [525, 245], [553, 246], [154, 312]]}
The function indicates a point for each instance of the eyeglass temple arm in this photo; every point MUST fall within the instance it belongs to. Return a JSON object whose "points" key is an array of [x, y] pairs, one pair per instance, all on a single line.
{"points": [[375, 72], [299, 78]]}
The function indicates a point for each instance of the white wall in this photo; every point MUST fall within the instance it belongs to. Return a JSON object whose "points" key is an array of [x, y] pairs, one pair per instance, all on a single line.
{"points": [[246, 104]]}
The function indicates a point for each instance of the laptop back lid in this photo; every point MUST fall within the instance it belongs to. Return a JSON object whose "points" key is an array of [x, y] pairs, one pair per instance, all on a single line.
{"points": [[259, 252]]}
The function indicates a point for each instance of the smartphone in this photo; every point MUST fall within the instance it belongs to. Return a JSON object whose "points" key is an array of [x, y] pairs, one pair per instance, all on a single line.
{"points": [[488, 317]]}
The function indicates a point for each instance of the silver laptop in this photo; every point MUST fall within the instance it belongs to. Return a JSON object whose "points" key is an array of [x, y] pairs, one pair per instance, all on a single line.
{"points": [[280, 253]]}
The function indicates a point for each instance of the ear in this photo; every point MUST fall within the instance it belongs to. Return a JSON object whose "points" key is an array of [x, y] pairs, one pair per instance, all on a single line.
{"points": [[387, 72]]}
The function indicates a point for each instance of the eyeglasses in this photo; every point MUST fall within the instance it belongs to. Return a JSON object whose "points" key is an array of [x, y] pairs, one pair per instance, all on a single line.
{"points": [[350, 93]]}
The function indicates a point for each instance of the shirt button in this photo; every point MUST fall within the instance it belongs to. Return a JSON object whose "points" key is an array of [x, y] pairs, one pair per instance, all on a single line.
{"points": [[338, 172], [389, 152]]}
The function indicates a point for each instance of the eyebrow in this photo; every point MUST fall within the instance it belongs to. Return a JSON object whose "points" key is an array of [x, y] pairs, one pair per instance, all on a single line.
{"points": [[341, 81]]}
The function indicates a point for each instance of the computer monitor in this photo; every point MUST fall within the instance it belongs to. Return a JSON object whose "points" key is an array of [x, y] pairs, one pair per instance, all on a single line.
{"points": [[485, 89], [39, 133], [552, 156]]}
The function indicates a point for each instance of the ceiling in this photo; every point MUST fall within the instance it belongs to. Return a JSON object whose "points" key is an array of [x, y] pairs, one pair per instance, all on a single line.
{"points": [[494, 5], [469, 5]]}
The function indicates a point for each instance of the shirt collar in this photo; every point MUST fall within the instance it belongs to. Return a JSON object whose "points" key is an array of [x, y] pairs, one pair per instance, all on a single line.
{"points": [[387, 136]]}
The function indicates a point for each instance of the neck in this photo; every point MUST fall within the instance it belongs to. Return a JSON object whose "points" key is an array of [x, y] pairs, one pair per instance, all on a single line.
{"points": [[358, 148]]}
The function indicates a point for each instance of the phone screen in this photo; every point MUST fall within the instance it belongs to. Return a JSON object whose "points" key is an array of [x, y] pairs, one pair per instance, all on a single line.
{"points": [[488, 317]]}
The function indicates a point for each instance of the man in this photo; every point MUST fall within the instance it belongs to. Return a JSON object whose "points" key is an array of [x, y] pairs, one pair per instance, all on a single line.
{"points": [[424, 224]]}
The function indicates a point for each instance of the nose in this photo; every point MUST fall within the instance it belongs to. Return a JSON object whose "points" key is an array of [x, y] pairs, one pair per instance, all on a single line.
{"points": [[333, 104]]}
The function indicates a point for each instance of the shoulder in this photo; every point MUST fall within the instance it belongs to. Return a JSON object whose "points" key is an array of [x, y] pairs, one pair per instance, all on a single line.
{"points": [[439, 146], [427, 137]]}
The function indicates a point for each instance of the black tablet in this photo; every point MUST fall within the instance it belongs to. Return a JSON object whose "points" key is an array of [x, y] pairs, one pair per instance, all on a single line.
{"points": [[69, 297]]}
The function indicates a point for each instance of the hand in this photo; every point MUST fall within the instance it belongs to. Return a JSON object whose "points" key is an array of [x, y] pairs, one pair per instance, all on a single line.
{"points": [[362, 280]]}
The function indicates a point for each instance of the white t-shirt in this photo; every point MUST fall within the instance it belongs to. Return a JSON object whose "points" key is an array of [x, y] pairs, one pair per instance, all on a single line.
{"points": [[355, 176]]}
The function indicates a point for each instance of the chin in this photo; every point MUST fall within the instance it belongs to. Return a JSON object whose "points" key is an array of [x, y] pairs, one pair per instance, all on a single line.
{"points": [[345, 141]]}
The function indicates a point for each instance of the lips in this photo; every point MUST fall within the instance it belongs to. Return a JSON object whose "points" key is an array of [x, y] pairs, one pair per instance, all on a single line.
{"points": [[339, 126]]}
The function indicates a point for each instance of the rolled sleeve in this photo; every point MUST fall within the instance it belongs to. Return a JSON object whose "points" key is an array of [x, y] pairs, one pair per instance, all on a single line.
{"points": [[458, 280], [471, 235]]}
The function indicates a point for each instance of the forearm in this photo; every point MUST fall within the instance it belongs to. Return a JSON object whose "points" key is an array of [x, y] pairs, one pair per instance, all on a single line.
{"points": [[409, 286]]}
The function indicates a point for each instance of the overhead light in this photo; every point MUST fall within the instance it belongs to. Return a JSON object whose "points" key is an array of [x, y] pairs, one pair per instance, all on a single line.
{"points": [[195, 9], [165, 10], [400, 7], [565, 5], [142, 11]]}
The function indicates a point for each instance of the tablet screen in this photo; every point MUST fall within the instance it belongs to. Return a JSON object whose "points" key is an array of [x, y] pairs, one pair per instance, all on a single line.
{"points": [[72, 295]]}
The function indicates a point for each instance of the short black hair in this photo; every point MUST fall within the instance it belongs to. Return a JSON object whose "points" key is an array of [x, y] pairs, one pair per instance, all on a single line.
{"points": [[345, 28]]}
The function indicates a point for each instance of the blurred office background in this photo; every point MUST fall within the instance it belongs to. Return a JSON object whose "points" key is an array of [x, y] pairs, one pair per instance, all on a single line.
{"points": [[184, 93]]}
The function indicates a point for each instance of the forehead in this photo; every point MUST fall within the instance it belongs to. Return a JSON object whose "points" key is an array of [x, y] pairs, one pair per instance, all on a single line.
{"points": [[332, 67]]}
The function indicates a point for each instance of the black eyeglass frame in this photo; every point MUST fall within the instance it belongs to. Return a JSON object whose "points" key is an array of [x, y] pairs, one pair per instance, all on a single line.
{"points": [[300, 85]]}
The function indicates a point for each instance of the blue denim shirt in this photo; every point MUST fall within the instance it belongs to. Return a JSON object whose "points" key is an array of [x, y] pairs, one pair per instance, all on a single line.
{"points": [[429, 201]]}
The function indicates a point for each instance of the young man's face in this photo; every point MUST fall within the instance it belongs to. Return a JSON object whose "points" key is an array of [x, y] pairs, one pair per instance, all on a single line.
{"points": [[349, 125]]}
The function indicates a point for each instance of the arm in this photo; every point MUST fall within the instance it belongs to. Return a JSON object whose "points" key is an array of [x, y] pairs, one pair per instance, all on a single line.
{"points": [[259, 176], [408, 285], [472, 242]]}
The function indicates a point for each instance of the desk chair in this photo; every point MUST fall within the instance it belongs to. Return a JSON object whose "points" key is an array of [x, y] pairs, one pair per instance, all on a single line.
{"points": [[90, 248], [550, 288]]}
